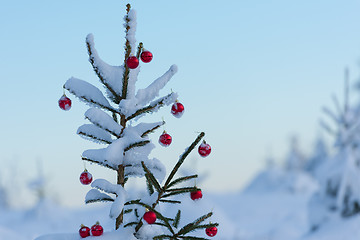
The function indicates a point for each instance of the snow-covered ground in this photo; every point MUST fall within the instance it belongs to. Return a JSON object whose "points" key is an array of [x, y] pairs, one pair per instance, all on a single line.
{"points": [[272, 207]]}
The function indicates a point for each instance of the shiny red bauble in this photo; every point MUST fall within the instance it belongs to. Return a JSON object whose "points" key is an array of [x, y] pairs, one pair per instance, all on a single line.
{"points": [[204, 149], [65, 103], [146, 56], [165, 139], [177, 109], [211, 231], [84, 231], [196, 195], [97, 229], [85, 177], [132, 62], [149, 217]]}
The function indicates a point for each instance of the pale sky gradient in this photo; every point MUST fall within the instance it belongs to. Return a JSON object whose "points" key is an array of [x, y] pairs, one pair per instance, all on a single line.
{"points": [[251, 74]]}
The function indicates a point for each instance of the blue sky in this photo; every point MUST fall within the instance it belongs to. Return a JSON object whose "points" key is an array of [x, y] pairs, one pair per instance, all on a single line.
{"points": [[251, 74]]}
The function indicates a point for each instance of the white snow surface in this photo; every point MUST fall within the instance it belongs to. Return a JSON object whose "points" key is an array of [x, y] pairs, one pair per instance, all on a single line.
{"points": [[110, 74], [83, 89], [144, 96], [251, 215], [106, 186], [93, 130], [103, 120]]}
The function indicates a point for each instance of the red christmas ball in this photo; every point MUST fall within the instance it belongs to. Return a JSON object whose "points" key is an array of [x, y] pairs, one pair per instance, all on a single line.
{"points": [[146, 56], [165, 139], [204, 149], [132, 62], [211, 231], [84, 231], [150, 217], [97, 229], [65, 103], [85, 177], [177, 109], [196, 195]]}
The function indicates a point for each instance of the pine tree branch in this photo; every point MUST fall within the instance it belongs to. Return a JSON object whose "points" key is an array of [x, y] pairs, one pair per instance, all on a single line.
{"points": [[127, 55], [151, 178], [151, 107], [206, 225], [99, 200], [152, 130], [102, 127], [139, 50], [165, 187], [149, 186], [113, 110], [177, 219], [185, 190], [192, 238], [126, 211], [100, 163], [94, 137], [158, 215], [192, 226], [137, 144], [102, 79], [115, 117], [169, 201], [164, 236], [182, 179], [182, 158], [130, 224]]}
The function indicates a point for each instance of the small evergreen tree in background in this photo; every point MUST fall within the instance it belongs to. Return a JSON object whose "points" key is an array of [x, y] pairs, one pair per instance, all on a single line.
{"points": [[339, 177], [112, 120]]}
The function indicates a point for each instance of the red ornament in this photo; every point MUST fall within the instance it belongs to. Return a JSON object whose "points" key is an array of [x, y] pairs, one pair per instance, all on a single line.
{"points": [[132, 62], [150, 217], [146, 56], [204, 149], [211, 231], [84, 231], [65, 103], [165, 139], [85, 177], [177, 109], [196, 195], [97, 229]]}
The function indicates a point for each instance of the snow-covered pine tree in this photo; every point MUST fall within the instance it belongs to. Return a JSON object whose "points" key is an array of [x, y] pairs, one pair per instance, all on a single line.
{"points": [[318, 157], [112, 122], [339, 192], [295, 160]]}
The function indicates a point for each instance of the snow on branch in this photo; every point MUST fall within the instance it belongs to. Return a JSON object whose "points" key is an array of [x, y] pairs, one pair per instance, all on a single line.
{"points": [[113, 155], [108, 75], [103, 120], [130, 25], [144, 129], [118, 190], [94, 133], [154, 165], [95, 195], [146, 95], [106, 186], [100, 162], [332, 115], [88, 93], [155, 105]]}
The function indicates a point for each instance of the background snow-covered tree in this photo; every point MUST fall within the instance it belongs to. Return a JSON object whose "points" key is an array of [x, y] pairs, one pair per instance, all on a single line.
{"points": [[295, 160], [317, 158], [339, 177]]}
